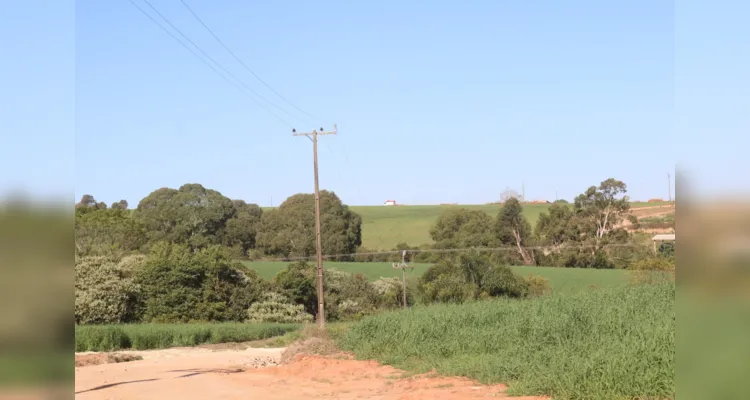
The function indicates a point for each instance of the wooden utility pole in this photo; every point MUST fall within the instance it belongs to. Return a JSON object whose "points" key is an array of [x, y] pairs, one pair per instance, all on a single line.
{"points": [[669, 182], [313, 136], [402, 265]]}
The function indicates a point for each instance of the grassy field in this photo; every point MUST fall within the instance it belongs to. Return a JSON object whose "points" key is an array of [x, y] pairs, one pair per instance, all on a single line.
{"points": [[562, 280], [384, 227], [605, 344], [161, 336]]}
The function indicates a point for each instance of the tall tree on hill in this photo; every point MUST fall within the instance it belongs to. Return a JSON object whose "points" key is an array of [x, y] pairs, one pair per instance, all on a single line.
{"points": [[191, 215], [556, 227], [289, 230], [513, 229], [119, 205], [242, 228], [601, 209], [462, 228]]}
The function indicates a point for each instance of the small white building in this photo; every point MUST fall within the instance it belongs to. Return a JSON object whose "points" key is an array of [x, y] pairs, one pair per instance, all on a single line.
{"points": [[390, 203]]}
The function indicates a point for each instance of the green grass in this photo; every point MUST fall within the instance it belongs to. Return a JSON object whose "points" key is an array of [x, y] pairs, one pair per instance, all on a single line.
{"points": [[562, 280], [384, 227], [160, 336], [606, 344]]}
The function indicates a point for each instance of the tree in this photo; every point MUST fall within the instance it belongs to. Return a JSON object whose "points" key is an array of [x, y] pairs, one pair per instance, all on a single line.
{"points": [[88, 203], [289, 230], [241, 229], [556, 227], [183, 285], [512, 229], [601, 209], [297, 282], [119, 205], [462, 228], [107, 232], [192, 215]]}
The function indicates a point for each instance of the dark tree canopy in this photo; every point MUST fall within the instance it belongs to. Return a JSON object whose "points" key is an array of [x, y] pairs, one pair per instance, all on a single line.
{"points": [[557, 226], [120, 205], [242, 228], [290, 229], [107, 231], [513, 229], [461, 228], [191, 214]]}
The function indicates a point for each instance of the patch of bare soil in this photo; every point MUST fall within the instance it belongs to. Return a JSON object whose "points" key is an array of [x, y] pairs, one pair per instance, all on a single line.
{"points": [[206, 374], [83, 360]]}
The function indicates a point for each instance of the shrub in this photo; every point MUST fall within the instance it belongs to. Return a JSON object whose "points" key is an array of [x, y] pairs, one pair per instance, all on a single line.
{"points": [[349, 295], [500, 280], [277, 308], [105, 290], [653, 269], [181, 285], [390, 293], [449, 288], [538, 286]]}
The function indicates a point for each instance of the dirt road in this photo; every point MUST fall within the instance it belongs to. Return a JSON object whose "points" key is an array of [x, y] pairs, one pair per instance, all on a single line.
{"points": [[232, 374]]}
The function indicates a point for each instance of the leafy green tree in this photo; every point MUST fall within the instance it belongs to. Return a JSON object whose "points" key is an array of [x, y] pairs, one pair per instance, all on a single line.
{"points": [[600, 210], [289, 231], [106, 291], [513, 229], [107, 232], [463, 228], [120, 205], [297, 282], [241, 229], [556, 227], [182, 285], [191, 215]]}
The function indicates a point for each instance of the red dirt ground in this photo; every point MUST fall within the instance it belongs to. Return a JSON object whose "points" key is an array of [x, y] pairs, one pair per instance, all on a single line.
{"points": [[225, 375]]}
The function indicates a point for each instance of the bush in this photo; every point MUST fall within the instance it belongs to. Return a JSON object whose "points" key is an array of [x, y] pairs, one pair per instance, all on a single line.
{"points": [[349, 295], [500, 280], [182, 285], [105, 290], [538, 286], [277, 308], [652, 270], [390, 293]]}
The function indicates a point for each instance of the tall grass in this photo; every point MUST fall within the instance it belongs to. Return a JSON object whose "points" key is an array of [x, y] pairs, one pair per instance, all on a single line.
{"points": [[160, 336], [605, 344]]}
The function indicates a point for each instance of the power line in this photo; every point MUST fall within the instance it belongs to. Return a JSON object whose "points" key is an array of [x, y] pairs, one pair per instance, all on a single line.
{"points": [[285, 122], [216, 62], [245, 65]]}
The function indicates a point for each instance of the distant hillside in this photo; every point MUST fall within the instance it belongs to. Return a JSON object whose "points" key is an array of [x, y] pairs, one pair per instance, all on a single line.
{"points": [[383, 227]]}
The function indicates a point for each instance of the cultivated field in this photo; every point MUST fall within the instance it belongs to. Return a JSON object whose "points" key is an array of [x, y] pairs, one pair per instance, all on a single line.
{"points": [[603, 344]]}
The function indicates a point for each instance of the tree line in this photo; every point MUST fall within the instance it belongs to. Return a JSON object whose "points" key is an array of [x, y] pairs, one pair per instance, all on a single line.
{"points": [[198, 218], [587, 233]]}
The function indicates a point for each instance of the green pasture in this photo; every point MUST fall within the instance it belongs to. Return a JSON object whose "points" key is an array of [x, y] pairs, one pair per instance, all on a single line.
{"points": [[383, 227], [562, 280]]}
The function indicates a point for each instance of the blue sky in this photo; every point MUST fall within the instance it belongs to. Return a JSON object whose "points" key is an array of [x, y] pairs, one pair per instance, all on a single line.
{"points": [[436, 101]]}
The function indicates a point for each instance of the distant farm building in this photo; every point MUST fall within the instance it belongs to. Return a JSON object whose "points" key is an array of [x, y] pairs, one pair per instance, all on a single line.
{"points": [[390, 203]]}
